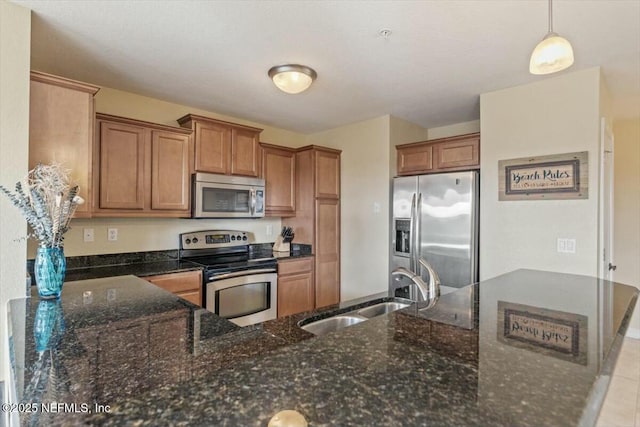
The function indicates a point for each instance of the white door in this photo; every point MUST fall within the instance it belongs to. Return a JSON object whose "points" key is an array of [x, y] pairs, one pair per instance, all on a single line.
{"points": [[606, 265]]}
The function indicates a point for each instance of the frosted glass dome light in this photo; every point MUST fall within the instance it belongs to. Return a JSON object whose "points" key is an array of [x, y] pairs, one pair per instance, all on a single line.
{"points": [[292, 78], [553, 53]]}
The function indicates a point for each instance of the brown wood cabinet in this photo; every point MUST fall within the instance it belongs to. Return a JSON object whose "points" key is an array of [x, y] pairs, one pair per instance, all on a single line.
{"points": [[223, 147], [295, 286], [61, 120], [143, 169], [317, 218], [439, 155], [187, 285], [279, 173]]}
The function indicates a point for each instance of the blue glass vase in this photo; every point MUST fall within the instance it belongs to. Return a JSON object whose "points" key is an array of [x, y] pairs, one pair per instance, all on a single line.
{"points": [[50, 268], [48, 325]]}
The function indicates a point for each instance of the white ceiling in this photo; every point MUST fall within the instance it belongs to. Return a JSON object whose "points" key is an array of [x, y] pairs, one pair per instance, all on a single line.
{"points": [[441, 55]]}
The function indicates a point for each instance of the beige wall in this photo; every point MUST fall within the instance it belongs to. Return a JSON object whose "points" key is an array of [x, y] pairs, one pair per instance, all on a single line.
{"points": [[626, 237], [151, 234], [15, 51], [402, 132], [364, 203], [127, 104], [454, 129], [552, 116]]}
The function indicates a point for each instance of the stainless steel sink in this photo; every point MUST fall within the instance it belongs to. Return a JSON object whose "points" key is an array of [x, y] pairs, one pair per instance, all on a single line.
{"points": [[380, 309], [331, 324]]}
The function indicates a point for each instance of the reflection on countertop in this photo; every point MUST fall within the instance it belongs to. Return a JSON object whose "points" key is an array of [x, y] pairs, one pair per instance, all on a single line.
{"points": [[158, 360]]}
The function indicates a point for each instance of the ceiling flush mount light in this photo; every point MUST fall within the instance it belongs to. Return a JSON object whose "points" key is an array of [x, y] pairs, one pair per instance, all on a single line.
{"points": [[292, 78], [552, 54]]}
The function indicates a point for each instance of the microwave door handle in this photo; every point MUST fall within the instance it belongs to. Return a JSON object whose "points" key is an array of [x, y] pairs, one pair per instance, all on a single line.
{"points": [[253, 201]]}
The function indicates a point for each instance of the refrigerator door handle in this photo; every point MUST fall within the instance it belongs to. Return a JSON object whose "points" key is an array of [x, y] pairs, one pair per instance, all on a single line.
{"points": [[412, 224], [417, 249]]}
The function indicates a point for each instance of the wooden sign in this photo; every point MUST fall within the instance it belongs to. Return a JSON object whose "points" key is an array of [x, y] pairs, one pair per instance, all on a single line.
{"points": [[560, 176], [555, 333]]}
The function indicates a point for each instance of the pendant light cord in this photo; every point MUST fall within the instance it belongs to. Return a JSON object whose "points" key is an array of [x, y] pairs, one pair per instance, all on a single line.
{"points": [[550, 16]]}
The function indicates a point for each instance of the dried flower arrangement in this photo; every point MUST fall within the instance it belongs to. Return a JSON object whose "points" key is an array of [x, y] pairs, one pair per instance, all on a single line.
{"points": [[47, 201]]}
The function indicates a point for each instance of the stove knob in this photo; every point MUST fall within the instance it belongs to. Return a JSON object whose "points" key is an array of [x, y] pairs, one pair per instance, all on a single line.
{"points": [[244, 237], [233, 237], [195, 240], [187, 241]]}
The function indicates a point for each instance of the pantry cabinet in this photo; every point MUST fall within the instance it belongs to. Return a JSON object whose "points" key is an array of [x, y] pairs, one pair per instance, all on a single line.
{"points": [[295, 286], [143, 169], [61, 129], [439, 155], [223, 147], [279, 173], [317, 217]]}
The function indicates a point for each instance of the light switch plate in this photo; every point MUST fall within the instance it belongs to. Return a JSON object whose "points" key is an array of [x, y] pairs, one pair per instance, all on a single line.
{"points": [[566, 246]]}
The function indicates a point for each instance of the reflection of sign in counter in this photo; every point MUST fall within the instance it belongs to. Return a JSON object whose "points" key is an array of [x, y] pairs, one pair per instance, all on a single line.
{"points": [[556, 333], [562, 176]]}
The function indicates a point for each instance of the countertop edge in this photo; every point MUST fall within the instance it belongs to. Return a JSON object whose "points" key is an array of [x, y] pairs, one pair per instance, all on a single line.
{"points": [[595, 400]]}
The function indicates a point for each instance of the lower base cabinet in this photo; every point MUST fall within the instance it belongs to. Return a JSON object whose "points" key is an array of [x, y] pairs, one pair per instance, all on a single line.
{"points": [[296, 290], [187, 285]]}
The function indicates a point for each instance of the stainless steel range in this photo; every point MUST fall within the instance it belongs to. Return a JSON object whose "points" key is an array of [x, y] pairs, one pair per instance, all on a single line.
{"points": [[237, 285]]}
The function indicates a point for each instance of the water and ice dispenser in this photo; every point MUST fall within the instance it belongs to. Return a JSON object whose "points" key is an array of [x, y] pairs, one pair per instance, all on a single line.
{"points": [[402, 230]]}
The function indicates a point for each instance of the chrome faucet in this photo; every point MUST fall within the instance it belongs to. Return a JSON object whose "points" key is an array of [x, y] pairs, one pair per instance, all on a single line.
{"points": [[429, 291]]}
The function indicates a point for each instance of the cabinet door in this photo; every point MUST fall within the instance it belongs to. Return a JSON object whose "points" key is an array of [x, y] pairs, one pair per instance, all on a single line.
{"points": [[415, 159], [327, 271], [327, 175], [458, 154], [186, 285], [244, 152], [122, 156], [279, 173], [212, 148], [295, 294], [169, 171], [61, 117]]}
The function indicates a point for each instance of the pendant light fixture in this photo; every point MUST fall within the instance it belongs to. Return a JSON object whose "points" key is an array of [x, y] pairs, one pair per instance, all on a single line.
{"points": [[292, 78], [553, 53]]}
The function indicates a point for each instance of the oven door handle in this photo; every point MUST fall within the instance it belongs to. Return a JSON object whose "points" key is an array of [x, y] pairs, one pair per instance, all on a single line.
{"points": [[241, 273]]}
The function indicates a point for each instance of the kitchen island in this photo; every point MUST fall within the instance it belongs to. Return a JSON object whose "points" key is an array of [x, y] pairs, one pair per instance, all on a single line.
{"points": [[120, 351]]}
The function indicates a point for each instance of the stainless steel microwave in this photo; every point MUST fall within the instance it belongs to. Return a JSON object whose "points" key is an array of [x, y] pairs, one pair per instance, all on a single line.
{"points": [[223, 196]]}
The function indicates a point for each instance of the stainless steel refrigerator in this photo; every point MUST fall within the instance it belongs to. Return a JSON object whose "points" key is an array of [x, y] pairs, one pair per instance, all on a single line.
{"points": [[435, 217]]}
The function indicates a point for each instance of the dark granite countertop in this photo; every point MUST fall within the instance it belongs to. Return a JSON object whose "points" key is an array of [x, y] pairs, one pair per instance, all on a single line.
{"points": [[138, 269], [539, 351]]}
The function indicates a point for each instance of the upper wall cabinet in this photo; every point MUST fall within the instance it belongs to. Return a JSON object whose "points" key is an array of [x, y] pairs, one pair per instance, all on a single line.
{"points": [[61, 119], [279, 173], [439, 155], [142, 169], [223, 147]]}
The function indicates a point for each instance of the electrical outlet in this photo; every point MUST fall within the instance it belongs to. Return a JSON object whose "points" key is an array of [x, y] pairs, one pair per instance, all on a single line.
{"points": [[111, 295], [88, 234], [269, 230], [376, 207], [112, 234]]}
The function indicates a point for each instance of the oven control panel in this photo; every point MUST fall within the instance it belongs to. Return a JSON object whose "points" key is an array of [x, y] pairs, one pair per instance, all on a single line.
{"points": [[213, 239]]}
